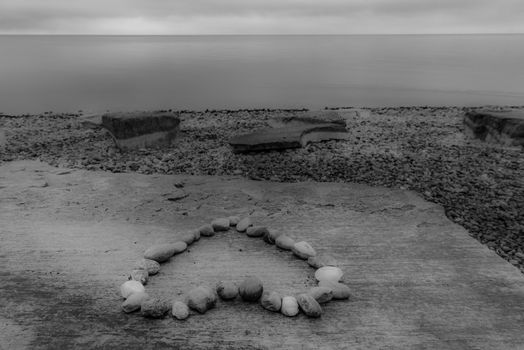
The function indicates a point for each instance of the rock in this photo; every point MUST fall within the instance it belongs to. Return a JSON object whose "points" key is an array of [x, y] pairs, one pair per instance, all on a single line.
{"points": [[303, 250], [329, 273], [160, 252], [151, 266], [271, 301], [179, 310], [133, 302], [251, 289], [308, 118], [289, 306], [287, 137], [271, 236], [201, 299], [284, 242], [154, 308], [256, 231], [139, 275], [221, 224], [178, 247], [227, 290], [340, 291], [188, 238], [206, 230], [321, 261], [233, 221], [244, 224], [129, 287], [309, 305], [504, 127], [321, 294], [139, 130]]}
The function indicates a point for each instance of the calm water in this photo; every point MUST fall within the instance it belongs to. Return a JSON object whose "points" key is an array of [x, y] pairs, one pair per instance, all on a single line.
{"points": [[93, 73]]}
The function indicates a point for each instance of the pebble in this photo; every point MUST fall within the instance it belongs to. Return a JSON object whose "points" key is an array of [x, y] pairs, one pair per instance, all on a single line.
{"points": [[244, 224], [233, 221], [139, 275], [179, 310], [188, 238], [159, 252], [129, 287], [221, 224], [319, 261], [309, 305], [303, 250], [154, 308], [178, 247], [256, 231], [329, 273], [321, 294], [227, 290], [271, 301], [133, 302], [207, 231], [196, 233], [151, 266], [271, 236], [340, 291], [251, 289], [201, 299], [284, 242], [289, 306]]}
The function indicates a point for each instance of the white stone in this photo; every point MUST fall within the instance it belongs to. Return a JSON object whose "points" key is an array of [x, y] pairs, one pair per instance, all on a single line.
{"points": [[130, 287], [329, 274], [289, 306]]}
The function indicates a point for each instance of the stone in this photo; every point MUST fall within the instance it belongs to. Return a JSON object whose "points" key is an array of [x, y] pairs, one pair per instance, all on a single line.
{"points": [[287, 137], [129, 287], [201, 299], [340, 291], [159, 252], [505, 127], [134, 301], [196, 233], [227, 290], [244, 224], [309, 305], [233, 221], [329, 273], [251, 289], [321, 294], [178, 247], [206, 230], [151, 266], [271, 236], [139, 275], [319, 261], [179, 310], [271, 301], [308, 118], [256, 231], [188, 238], [154, 308], [289, 306], [284, 242], [137, 130], [221, 224], [303, 250]]}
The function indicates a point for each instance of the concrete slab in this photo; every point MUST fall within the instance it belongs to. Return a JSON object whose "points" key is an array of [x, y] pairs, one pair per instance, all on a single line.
{"points": [[505, 127], [70, 237], [287, 137]]}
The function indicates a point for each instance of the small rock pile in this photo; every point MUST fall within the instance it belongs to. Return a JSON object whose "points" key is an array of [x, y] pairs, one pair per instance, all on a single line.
{"points": [[203, 298]]}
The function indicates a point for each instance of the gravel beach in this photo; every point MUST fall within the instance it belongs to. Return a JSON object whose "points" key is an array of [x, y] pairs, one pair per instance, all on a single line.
{"points": [[481, 186]]}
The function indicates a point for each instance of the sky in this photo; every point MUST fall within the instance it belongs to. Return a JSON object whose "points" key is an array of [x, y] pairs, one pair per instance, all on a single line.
{"points": [[192, 17]]}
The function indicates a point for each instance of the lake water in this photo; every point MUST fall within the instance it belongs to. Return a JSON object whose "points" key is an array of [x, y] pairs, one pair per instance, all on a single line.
{"points": [[97, 73]]}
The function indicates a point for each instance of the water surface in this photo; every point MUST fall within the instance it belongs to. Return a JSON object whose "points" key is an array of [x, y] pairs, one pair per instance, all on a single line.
{"points": [[97, 73]]}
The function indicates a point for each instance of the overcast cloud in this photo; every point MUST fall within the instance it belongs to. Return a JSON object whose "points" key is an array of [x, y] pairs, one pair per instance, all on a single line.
{"points": [[260, 16]]}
